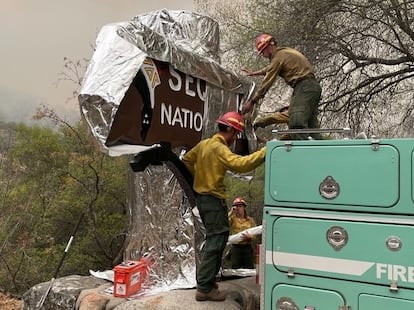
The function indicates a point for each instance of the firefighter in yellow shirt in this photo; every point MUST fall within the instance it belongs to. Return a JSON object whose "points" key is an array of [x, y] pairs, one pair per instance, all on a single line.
{"points": [[242, 254], [209, 161]]}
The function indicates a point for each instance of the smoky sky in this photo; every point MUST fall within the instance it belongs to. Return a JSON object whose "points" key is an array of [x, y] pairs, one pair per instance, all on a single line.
{"points": [[37, 35]]}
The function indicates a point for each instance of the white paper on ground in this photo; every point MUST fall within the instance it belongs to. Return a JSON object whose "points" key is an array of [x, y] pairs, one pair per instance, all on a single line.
{"points": [[106, 275], [238, 272]]}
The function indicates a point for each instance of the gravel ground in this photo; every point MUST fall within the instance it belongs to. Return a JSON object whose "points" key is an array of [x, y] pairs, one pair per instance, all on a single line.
{"points": [[9, 303]]}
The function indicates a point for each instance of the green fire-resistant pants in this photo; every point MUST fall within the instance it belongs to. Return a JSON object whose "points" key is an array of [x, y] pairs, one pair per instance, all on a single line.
{"points": [[242, 256], [213, 213], [303, 109]]}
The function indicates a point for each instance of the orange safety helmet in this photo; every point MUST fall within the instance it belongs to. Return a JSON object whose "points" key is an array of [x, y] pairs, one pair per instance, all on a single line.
{"points": [[263, 41], [232, 119], [239, 201]]}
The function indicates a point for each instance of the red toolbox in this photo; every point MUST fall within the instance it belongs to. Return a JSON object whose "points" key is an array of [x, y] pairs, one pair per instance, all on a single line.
{"points": [[128, 277]]}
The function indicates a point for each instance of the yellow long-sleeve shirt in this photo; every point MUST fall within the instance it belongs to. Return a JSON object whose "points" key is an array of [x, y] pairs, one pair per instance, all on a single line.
{"points": [[238, 224], [209, 161]]}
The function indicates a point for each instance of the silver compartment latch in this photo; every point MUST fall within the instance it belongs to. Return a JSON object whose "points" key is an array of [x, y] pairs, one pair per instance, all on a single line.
{"points": [[291, 273], [375, 144], [337, 237], [288, 146], [344, 307]]}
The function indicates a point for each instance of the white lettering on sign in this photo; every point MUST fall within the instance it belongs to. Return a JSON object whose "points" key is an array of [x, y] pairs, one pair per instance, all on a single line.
{"points": [[181, 117], [395, 272], [200, 93], [176, 84], [188, 91]]}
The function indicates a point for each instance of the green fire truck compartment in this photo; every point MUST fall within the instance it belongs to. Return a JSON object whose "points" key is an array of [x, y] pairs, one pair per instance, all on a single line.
{"points": [[351, 175], [338, 225], [369, 302], [355, 247], [327, 294], [306, 298]]}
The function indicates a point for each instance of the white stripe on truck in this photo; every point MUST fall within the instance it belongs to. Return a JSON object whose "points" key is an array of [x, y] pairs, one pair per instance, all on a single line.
{"points": [[318, 263]]}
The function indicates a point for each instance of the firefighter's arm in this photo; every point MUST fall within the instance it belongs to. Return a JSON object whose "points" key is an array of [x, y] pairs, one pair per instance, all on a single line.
{"points": [[267, 82], [271, 74], [240, 164], [249, 105], [248, 72]]}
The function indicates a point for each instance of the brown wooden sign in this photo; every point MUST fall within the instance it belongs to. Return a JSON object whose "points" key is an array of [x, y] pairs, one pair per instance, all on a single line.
{"points": [[161, 105]]}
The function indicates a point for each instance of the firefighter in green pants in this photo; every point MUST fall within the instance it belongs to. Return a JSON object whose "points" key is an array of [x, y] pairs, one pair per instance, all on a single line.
{"points": [[209, 161], [296, 70]]}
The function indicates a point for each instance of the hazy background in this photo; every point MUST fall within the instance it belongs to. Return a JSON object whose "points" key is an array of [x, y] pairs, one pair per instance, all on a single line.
{"points": [[36, 35]]}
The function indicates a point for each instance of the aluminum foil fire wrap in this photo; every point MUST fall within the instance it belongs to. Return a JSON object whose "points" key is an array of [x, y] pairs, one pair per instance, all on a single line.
{"points": [[157, 78]]}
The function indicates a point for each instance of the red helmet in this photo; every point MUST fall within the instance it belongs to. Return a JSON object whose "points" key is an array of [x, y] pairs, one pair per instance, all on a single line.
{"points": [[263, 41], [239, 201], [232, 119]]}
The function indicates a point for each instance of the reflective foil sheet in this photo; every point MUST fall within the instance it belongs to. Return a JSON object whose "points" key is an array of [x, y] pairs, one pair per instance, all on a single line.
{"points": [[161, 229], [185, 42], [151, 80]]}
